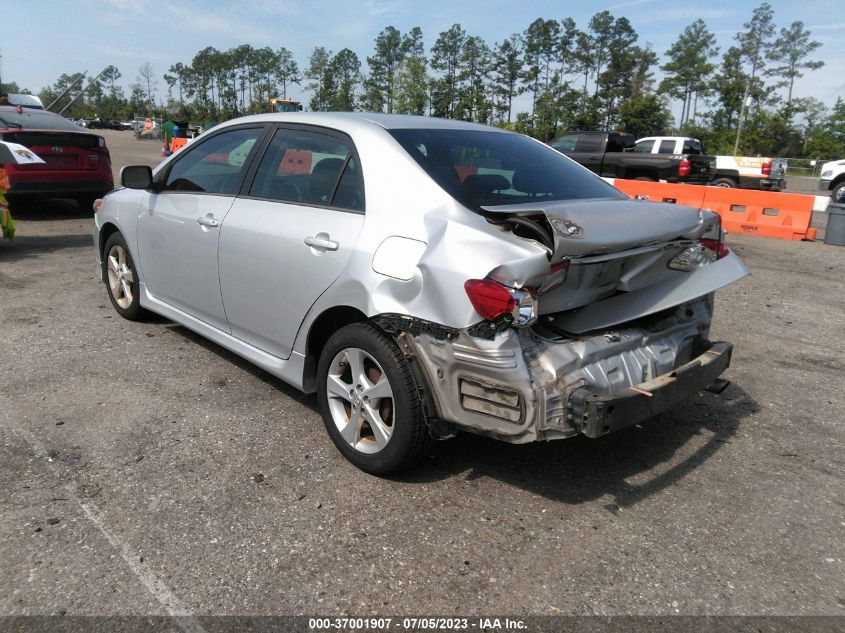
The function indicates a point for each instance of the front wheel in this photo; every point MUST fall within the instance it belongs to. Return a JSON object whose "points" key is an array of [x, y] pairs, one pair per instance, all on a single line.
{"points": [[122, 278], [369, 402], [837, 192]]}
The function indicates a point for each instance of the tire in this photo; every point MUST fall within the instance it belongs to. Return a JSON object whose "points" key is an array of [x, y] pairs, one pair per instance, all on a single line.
{"points": [[121, 278], [380, 434], [646, 178], [837, 190], [727, 183]]}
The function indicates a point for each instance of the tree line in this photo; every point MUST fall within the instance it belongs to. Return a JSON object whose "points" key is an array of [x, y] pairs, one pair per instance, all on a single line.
{"points": [[597, 77]]}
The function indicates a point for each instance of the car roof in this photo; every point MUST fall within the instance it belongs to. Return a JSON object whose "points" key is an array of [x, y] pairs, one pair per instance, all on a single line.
{"points": [[356, 120]]}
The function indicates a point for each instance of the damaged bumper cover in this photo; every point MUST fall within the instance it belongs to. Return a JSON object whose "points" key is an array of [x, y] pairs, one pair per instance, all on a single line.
{"points": [[537, 384], [596, 414]]}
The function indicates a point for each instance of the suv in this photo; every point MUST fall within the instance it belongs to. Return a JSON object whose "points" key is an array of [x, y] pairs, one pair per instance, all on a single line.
{"points": [[76, 164], [833, 178]]}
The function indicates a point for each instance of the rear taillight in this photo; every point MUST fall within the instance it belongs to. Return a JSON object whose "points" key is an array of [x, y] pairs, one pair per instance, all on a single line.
{"points": [[684, 167], [702, 253], [767, 168], [717, 247], [493, 301]]}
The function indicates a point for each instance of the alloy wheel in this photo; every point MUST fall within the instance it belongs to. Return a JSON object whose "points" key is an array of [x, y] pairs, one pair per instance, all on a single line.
{"points": [[120, 276], [360, 400]]}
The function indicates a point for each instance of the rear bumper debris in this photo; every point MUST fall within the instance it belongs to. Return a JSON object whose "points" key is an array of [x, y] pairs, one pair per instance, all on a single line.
{"points": [[595, 414]]}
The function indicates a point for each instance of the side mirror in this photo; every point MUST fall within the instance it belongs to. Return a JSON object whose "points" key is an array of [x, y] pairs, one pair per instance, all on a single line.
{"points": [[136, 176]]}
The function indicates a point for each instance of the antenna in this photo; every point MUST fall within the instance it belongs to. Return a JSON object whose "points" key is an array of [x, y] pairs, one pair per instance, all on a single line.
{"points": [[73, 83]]}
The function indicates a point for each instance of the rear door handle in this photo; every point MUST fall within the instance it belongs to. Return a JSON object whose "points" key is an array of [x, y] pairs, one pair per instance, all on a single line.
{"points": [[322, 242], [208, 221]]}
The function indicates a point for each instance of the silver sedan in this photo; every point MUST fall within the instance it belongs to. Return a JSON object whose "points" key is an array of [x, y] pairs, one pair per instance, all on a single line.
{"points": [[422, 276]]}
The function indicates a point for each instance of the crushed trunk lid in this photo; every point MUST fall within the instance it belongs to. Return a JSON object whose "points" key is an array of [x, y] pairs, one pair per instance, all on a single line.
{"points": [[596, 226]]}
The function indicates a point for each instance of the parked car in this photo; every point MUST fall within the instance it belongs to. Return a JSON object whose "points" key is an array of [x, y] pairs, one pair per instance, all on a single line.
{"points": [[744, 172], [25, 101], [77, 163], [833, 179], [422, 276], [101, 124], [613, 155]]}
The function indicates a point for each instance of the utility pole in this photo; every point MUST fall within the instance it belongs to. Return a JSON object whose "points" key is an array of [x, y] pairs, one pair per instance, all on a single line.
{"points": [[742, 115]]}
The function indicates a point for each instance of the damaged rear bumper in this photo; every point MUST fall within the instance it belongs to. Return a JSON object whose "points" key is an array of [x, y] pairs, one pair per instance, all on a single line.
{"points": [[535, 384], [595, 414]]}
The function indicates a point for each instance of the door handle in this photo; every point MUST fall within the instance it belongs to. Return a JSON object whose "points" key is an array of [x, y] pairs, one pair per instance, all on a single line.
{"points": [[322, 242], [208, 221]]}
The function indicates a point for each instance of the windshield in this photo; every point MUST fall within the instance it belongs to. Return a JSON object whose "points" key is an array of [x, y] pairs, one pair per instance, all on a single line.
{"points": [[30, 119], [481, 168]]}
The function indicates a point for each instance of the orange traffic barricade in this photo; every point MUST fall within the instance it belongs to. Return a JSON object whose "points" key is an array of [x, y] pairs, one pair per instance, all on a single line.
{"points": [[686, 195], [177, 143], [780, 215], [785, 216]]}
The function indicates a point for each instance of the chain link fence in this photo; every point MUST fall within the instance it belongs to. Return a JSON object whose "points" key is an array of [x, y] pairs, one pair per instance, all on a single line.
{"points": [[810, 167], [148, 128]]}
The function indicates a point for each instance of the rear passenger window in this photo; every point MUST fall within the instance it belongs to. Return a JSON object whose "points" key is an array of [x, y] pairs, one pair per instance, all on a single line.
{"points": [[589, 143], [214, 166], [666, 147], [312, 168]]}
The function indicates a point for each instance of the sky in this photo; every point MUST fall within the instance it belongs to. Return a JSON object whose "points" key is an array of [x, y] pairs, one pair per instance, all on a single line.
{"points": [[44, 38]]}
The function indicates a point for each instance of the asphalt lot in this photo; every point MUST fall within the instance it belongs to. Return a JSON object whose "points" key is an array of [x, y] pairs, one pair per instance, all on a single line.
{"points": [[130, 451]]}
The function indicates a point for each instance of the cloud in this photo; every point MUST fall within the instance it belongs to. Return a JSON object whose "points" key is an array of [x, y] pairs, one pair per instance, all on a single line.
{"points": [[838, 26], [628, 4], [682, 14], [377, 8]]}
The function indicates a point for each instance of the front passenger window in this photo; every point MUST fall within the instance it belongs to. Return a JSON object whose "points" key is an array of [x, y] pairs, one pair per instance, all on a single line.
{"points": [[214, 166]]}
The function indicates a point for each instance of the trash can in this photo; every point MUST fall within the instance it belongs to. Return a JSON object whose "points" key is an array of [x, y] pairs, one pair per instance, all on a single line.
{"points": [[835, 231]]}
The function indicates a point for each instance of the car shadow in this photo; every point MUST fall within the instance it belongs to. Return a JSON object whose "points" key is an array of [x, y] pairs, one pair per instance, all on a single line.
{"points": [[309, 400], [49, 209], [26, 246], [628, 466]]}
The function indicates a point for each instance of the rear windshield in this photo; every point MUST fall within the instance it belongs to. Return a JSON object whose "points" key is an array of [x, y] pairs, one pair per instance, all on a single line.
{"points": [[482, 169], [30, 119]]}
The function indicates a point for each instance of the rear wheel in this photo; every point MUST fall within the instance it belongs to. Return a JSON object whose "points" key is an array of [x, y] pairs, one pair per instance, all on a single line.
{"points": [[727, 183], [369, 401], [646, 178]]}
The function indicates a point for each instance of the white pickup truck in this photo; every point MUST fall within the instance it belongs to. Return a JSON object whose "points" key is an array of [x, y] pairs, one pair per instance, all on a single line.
{"points": [[745, 172], [833, 178]]}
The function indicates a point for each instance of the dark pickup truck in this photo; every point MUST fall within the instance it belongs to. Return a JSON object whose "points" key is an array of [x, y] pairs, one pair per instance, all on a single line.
{"points": [[611, 154]]}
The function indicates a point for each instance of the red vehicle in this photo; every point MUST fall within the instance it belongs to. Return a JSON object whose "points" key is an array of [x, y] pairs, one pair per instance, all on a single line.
{"points": [[77, 163]]}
